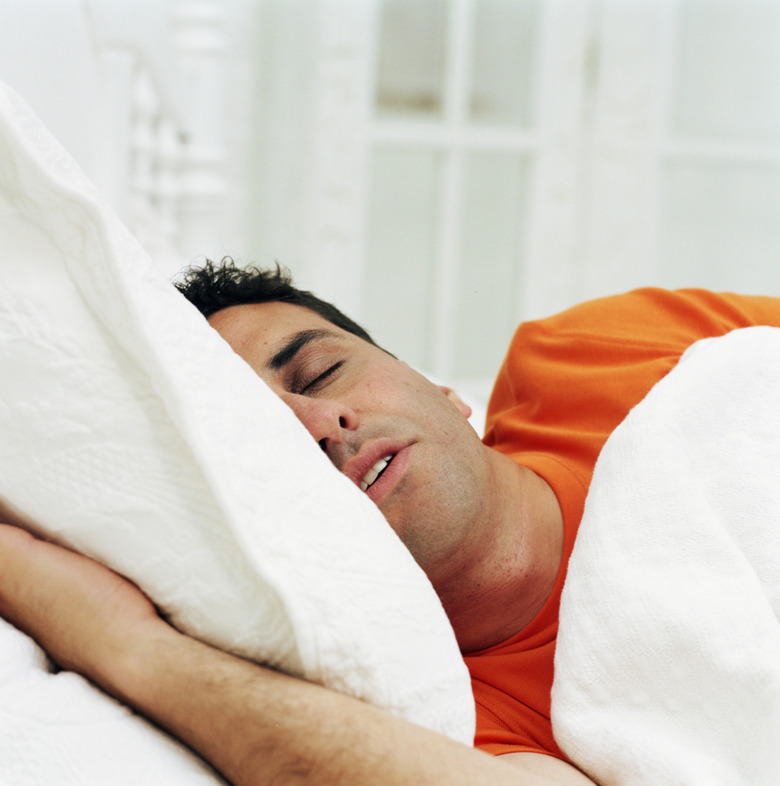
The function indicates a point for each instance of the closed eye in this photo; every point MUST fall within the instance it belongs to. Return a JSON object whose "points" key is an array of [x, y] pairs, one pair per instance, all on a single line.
{"points": [[315, 384]]}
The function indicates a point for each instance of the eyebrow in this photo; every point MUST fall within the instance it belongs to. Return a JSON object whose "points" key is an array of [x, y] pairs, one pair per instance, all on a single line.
{"points": [[295, 344]]}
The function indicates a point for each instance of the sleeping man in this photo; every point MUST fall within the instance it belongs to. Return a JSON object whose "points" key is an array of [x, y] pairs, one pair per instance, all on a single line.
{"points": [[492, 523]]}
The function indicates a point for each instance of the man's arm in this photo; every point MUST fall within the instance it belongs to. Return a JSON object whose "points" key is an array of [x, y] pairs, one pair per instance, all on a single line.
{"points": [[253, 724]]}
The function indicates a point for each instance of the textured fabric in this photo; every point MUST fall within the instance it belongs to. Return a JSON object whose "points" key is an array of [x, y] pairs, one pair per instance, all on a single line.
{"points": [[566, 384], [133, 433], [668, 662]]}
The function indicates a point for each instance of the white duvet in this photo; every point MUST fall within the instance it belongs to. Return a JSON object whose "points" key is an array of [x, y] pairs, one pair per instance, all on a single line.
{"points": [[668, 660], [130, 431]]}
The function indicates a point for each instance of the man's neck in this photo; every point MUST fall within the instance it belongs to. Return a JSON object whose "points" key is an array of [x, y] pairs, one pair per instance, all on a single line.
{"points": [[514, 566]]}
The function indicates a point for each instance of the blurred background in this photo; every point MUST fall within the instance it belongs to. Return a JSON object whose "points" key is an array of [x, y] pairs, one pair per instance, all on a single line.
{"points": [[441, 169]]}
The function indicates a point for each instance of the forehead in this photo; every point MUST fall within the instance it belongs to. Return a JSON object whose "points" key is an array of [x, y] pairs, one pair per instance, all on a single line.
{"points": [[257, 330]]}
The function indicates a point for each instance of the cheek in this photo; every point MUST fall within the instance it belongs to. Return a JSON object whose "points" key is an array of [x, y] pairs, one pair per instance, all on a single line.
{"points": [[438, 511], [388, 391]]}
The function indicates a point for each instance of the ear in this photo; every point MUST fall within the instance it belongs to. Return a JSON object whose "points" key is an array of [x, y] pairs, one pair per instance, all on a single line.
{"points": [[462, 406]]}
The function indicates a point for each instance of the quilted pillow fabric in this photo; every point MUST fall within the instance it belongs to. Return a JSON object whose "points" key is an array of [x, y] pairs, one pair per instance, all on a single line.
{"points": [[132, 433]]}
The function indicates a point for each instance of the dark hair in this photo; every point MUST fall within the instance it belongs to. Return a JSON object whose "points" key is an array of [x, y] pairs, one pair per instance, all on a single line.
{"points": [[212, 287]]}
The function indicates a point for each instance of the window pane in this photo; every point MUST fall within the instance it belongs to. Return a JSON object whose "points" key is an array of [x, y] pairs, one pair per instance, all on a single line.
{"points": [[411, 58], [728, 64], [504, 55], [722, 227], [401, 252], [494, 231]]}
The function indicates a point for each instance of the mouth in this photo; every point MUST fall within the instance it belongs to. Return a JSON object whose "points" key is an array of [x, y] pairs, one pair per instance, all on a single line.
{"points": [[390, 459], [375, 472]]}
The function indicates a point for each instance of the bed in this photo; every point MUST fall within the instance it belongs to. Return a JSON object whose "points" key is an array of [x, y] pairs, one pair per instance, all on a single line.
{"points": [[103, 394]]}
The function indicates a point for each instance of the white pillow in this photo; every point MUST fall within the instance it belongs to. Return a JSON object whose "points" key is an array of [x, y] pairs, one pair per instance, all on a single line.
{"points": [[132, 432]]}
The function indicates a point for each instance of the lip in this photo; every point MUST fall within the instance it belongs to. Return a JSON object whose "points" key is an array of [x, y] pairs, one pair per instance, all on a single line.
{"points": [[357, 467], [390, 478]]}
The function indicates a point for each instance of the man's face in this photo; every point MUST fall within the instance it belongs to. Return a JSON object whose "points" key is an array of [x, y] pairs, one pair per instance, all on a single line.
{"points": [[394, 434]]}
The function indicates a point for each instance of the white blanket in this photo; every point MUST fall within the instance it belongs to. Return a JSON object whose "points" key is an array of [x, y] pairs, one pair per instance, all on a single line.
{"points": [[668, 662], [130, 431]]}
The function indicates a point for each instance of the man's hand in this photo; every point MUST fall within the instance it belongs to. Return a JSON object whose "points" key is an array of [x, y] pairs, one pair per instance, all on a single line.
{"points": [[83, 614], [253, 724]]}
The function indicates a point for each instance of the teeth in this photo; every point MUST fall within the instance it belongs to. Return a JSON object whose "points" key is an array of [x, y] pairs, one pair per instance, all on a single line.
{"points": [[374, 472]]}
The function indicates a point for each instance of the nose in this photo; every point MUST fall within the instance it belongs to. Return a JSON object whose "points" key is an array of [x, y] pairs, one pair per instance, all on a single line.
{"points": [[326, 420]]}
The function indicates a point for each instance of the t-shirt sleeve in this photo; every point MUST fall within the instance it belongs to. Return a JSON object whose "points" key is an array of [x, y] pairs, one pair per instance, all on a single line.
{"points": [[569, 379]]}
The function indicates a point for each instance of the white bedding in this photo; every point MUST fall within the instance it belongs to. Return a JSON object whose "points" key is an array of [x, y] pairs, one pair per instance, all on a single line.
{"points": [[668, 660], [133, 433]]}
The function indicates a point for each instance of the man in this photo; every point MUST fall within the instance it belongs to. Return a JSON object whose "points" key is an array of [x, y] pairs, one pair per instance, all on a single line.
{"points": [[491, 524]]}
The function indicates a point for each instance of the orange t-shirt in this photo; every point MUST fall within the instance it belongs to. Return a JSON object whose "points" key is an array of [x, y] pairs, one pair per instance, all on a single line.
{"points": [[565, 384]]}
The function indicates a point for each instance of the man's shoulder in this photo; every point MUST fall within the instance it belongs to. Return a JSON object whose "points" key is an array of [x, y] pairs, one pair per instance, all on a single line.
{"points": [[622, 316], [627, 305], [654, 315]]}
